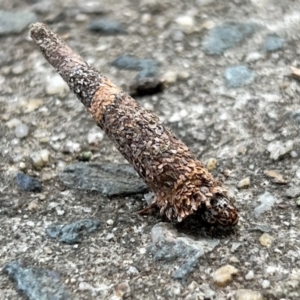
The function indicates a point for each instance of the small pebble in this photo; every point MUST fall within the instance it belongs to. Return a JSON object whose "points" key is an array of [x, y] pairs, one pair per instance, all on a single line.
{"points": [[184, 75], [298, 173], [110, 236], [21, 131], [249, 275], [110, 222], [40, 158], [177, 36], [244, 183], [72, 233], [223, 275], [18, 69], [107, 27], [92, 7], [242, 150], [235, 246], [298, 201], [265, 284], [22, 165], [33, 205], [95, 136], [32, 105], [267, 201], [48, 250], [146, 19], [226, 36], [252, 57], [86, 156], [84, 286], [132, 63], [278, 149], [28, 183], [211, 164], [57, 86], [238, 76], [71, 147], [186, 24], [273, 43], [132, 270], [277, 178], [60, 212], [13, 123], [81, 18], [170, 77], [244, 294], [36, 283], [266, 240], [293, 192]]}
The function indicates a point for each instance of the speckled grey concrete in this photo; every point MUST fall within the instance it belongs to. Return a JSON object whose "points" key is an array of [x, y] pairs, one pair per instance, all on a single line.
{"points": [[249, 130]]}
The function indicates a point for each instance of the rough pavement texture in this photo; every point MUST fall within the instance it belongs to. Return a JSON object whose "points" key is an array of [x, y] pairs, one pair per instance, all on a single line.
{"points": [[248, 130]]}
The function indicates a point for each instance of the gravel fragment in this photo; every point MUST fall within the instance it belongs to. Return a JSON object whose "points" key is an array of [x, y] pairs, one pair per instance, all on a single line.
{"points": [[21, 131], [265, 284], [276, 177], [186, 24], [169, 246], [13, 123], [267, 201], [33, 205], [15, 22], [253, 56], [170, 77], [132, 63], [278, 148], [95, 136], [37, 284], [177, 36], [244, 183], [18, 69], [92, 7], [223, 275], [226, 36], [273, 43], [238, 76], [32, 105], [211, 164], [86, 156], [71, 147], [55, 85], [40, 158], [244, 294], [28, 183], [72, 233], [107, 178], [293, 192], [107, 27], [266, 240], [249, 275]]}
